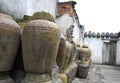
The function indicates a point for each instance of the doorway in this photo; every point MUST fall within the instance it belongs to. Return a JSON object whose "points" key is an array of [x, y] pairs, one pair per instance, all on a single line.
{"points": [[109, 52]]}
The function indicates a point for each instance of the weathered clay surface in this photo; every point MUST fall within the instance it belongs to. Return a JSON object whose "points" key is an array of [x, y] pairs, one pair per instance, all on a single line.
{"points": [[84, 53], [61, 53], [67, 54], [9, 42], [40, 43]]}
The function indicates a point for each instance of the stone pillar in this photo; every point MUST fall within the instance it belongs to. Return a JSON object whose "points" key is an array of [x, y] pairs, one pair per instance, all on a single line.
{"points": [[40, 43], [9, 44]]}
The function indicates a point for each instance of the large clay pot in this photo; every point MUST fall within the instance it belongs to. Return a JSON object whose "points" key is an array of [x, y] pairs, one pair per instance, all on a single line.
{"points": [[9, 41], [73, 52], [61, 53], [67, 54], [40, 43], [84, 53]]}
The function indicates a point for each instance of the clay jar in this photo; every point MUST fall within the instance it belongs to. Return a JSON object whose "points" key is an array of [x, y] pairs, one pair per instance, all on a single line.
{"points": [[61, 53], [103, 35], [85, 34], [9, 41], [84, 53], [73, 53], [40, 45], [67, 54], [98, 35]]}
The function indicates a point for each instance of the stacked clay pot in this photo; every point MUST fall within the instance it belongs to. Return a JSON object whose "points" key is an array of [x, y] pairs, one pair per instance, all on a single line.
{"points": [[61, 53], [67, 54], [73, 53], [9, 44], [40, 43], [84, 55], [71, 72]]}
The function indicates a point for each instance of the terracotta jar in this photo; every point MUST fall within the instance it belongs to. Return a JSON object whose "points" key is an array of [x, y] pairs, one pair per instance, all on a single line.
{"points": [[9, 41], [61, 53], [40, 43]]}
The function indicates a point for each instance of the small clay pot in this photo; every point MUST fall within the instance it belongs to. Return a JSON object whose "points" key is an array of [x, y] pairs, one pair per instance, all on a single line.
{"points": [[89, 34], [111, 35], [107, 35], [84, 53], [85, 34], [102, 34], [93, 34], [98, 35]]}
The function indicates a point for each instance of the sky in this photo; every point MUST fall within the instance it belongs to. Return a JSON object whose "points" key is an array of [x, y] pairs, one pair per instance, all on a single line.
{"points": [[99, 15]]}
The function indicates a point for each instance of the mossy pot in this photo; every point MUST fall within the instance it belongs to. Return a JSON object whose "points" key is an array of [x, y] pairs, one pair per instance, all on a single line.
{"points": [[67, 54], [84, 53], [61, 53], [40, 43], [73, 53], [9, 42]]}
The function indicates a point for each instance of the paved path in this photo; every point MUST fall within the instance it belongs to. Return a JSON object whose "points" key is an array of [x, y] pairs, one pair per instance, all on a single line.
{"points": [[102, 74]]}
